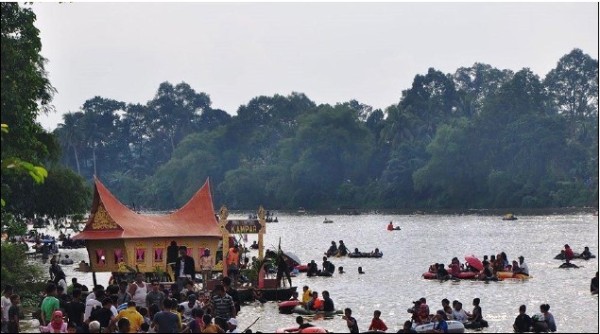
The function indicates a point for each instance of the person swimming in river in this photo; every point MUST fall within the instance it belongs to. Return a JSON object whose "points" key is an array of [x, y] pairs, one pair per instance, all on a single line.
{"points": [[360, 270]]}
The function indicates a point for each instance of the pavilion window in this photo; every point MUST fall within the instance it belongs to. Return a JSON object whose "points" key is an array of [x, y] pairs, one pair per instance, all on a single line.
{"points": [[100, 257], [158, 254], [140, 254], [118, 255]]}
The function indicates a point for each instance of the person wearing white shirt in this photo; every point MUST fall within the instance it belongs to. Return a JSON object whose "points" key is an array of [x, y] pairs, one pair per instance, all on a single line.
{"points": [[92, 303], [458, 313], [6, 304], [523, 269]]}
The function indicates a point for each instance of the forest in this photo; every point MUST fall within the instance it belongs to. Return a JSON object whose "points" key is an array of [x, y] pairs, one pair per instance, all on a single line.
{"points": [[480, 137]]}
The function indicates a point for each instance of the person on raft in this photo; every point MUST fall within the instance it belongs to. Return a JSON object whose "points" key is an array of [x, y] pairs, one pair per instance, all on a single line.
{"points": [[332, 249], [313, 269], [254, 245], [487, 274], [302, 324], [342, 250], [442, 273], [376, 252], [316, 303], [328, 305], [586, 254], [521, 267], [569, 255], [328, 266]]}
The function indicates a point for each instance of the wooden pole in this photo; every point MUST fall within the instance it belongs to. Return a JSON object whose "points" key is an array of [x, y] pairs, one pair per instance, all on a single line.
{"points": [[223, 214], [263, 229]]}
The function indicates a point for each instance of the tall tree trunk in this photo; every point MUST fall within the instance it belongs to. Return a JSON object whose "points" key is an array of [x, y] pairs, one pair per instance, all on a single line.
{"points": [[94, 160], [76, 159]]}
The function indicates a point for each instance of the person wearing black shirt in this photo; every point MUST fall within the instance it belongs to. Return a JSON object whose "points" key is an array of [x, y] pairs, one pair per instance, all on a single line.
{"points": [[103, 315], [76, 309], [442, 273], [172, 254], [301, 323], [350, 321], [594, 285], [327, 302], [522, 321]]}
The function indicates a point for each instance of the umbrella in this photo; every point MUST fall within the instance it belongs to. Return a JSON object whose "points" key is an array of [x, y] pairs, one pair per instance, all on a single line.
{"points": [[474, 262]]}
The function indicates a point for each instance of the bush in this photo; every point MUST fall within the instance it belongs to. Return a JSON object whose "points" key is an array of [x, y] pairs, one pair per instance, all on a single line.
{"points": [[27, 279]]}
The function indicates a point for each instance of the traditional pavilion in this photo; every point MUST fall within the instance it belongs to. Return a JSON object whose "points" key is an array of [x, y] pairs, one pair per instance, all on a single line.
{"points": [[116, 236]]}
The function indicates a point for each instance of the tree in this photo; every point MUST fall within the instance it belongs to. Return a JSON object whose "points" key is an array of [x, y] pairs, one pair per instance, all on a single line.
{"points": [[23, 89]]}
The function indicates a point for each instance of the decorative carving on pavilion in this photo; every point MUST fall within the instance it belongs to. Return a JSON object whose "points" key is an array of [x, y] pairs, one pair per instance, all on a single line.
{"points": [[102, 220]]}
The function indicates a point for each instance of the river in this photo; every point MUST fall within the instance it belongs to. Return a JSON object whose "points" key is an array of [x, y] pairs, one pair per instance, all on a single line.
{"points": [[394, 281]]}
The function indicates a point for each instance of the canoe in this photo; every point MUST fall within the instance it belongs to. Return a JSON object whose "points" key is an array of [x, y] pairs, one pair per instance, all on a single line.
{"points": [[357, 255], [327, 221], [453, 327], [301, 310]]}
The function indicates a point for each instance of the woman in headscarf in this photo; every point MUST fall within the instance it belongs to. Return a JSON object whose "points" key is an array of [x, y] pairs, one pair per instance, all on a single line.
{"points": [[56, 325]]}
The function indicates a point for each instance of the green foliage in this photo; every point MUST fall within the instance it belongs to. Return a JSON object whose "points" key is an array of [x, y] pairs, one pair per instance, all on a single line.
{"points": [[12, 226], [481, 137], [27, 279]]}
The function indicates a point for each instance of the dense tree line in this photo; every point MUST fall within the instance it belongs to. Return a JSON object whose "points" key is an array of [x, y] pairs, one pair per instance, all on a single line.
{"points": [[478, 138]]}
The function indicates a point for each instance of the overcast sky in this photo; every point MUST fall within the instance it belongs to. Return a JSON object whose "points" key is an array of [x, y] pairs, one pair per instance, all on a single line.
{"points": [[332, 52]]}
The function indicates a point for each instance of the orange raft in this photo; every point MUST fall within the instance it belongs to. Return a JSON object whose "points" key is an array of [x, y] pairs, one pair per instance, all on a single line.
{"points": [[509, 274]]}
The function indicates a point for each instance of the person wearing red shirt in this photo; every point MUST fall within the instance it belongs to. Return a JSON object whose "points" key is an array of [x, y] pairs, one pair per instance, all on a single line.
{"points": [[377, 324], [568, 253]]}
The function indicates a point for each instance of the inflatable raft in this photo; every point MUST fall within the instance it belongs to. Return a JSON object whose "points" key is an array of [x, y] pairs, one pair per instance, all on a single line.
{"points": [[312, 329], [287, 307], [361, 255], [509, 274], [301, 310], [462, 275], [576, 256], [453, 327]]}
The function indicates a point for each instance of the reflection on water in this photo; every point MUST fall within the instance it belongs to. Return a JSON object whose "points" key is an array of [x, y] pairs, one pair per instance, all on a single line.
{"points": [[394, 281]]}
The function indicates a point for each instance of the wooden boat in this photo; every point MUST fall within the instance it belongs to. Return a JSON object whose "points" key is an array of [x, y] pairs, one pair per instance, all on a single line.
{"points": [[509, 216], [327, 221]]}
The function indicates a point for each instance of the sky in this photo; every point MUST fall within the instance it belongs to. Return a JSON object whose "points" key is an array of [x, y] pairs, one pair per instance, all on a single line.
{"points": [[332, 52]]}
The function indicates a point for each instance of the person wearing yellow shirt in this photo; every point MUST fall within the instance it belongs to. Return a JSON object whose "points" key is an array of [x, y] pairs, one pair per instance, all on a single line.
{"points": [[306, 295], [135, 318]]}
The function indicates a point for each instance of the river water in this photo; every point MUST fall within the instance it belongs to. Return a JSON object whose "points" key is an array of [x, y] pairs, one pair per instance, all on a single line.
{"points": [[394, 281]]}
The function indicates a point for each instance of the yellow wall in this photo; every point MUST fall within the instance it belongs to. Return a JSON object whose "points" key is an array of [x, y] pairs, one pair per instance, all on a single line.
{"points": [[149, 245]]}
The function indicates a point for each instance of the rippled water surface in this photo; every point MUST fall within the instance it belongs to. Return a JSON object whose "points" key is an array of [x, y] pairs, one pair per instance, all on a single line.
{"points": [[394, 281]]}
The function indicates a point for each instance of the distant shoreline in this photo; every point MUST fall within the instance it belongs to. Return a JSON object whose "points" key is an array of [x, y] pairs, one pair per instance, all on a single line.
{"points": [[481, 212]]}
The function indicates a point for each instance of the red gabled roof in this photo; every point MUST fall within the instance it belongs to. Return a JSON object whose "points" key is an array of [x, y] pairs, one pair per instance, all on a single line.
{"points": [[195, 219]]}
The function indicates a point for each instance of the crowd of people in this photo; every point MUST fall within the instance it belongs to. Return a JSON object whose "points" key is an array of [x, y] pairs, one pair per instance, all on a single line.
{"points": [[492, 265], [131, 307]]}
